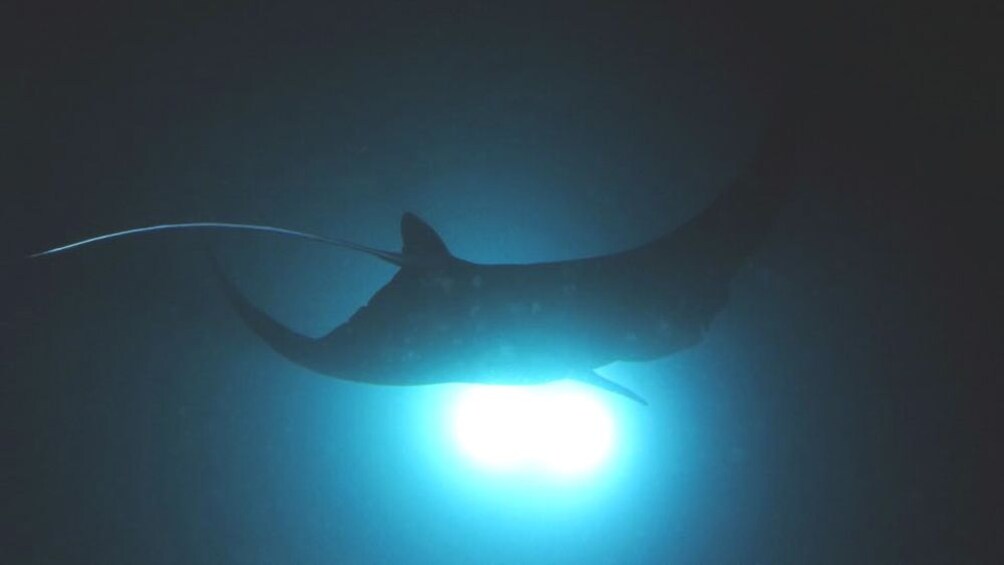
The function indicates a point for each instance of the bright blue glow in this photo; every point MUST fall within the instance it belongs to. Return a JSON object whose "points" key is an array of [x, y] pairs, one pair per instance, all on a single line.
{"points": [[561, 429]]}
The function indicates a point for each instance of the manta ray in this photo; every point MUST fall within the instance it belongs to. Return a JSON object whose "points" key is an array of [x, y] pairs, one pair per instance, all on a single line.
{"points": [[444, 319]]}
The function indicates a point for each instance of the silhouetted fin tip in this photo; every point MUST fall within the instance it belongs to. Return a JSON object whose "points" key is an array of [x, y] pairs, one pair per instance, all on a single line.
{"points": [[302, 350], [420, 239], [593, 378]]}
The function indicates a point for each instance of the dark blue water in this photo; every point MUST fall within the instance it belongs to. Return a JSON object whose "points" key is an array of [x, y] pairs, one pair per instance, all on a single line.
{"points": [[837, 410]]}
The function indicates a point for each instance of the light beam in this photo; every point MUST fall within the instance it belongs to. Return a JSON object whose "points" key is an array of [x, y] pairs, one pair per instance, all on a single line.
{"points": [[561, 429]]}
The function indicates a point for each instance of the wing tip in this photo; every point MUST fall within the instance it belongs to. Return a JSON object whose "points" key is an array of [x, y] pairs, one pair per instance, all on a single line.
{"points": [[594, 379]]}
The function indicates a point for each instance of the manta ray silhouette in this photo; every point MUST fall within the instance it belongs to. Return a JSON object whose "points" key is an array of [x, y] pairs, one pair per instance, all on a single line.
{"points": [[443, 319]]}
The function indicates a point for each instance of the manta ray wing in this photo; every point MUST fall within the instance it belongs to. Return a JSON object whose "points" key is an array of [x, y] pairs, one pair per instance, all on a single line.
{"points": [[594, 379]]}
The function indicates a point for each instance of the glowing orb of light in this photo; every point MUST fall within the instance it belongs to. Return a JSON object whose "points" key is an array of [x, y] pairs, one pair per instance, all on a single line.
{"points": [[561, 429]]}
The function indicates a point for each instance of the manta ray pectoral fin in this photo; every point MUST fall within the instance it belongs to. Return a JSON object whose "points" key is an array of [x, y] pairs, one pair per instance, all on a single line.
{"points": [[300, 349], [594, 379]]}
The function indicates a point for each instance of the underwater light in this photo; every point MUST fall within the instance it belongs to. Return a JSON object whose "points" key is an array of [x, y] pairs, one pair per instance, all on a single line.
{"points": [[562, 429]]}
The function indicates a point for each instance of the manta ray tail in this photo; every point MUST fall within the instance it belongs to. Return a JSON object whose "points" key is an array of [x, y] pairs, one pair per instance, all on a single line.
{"points": [[398, 259], [594, 379]]}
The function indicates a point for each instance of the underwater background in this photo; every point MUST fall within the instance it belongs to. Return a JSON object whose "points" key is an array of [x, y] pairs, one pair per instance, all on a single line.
{"points": [[842, 408]]}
